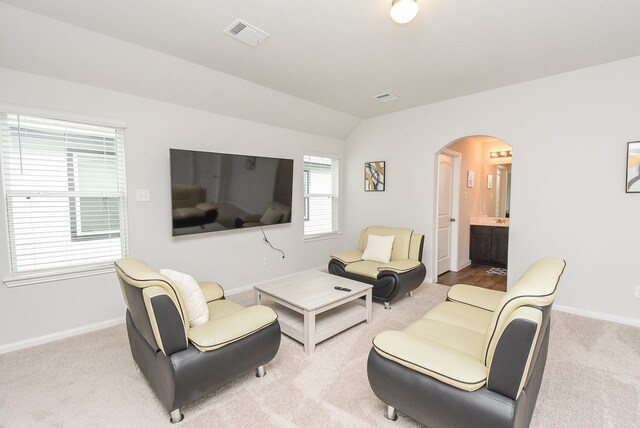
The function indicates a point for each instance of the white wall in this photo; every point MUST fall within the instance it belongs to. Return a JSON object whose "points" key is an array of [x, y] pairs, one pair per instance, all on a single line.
{"points": [[569, 135], [235, 259]]}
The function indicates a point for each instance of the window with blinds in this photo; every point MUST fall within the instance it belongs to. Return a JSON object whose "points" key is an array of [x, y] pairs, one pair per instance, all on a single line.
{"points": [[65, 194], [321, 195]]}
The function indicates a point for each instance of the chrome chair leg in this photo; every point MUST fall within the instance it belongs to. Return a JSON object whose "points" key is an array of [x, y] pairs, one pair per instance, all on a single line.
{"points": [[176, 416], [260, 372], [410, 293], [391, 413], [387, 305]]}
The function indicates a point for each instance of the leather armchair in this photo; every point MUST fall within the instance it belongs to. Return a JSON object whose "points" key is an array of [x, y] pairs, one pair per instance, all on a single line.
{"points": [[274, 213], [476, 360], [189, 206], [403, 274], [183, 363]]}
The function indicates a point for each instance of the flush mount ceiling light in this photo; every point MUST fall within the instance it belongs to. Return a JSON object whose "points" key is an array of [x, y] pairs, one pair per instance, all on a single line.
{"points": [[403, 11]]}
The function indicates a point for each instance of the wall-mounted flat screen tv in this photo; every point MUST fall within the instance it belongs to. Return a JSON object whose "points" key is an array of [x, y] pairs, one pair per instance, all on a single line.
{"points": [[213, 192]]}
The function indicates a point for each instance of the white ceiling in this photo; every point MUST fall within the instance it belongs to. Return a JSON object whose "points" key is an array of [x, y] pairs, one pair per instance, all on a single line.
{"points": [[341, 53]]}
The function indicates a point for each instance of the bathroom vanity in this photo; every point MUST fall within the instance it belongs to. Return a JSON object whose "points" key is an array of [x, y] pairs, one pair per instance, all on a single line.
{"points": [[489, 242]]}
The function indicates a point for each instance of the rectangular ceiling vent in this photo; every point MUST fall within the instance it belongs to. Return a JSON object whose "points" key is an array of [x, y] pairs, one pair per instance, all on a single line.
{"points": [[385, 98], [245, 32]]}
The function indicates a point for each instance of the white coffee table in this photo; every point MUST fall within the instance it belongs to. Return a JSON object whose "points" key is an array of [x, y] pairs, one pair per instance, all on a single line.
{"points": [[311, 310]]}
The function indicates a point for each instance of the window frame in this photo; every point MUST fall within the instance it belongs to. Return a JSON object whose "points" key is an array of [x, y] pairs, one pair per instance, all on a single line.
{"points": [[336, 206], [13, 278]]}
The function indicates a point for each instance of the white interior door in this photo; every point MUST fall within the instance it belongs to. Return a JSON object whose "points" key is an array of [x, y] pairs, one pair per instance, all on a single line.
{"points": [[445, 178]]}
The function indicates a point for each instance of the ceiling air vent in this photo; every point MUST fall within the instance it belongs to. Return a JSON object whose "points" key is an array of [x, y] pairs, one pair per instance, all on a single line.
{"points": [[385, 98], [245, 32]]}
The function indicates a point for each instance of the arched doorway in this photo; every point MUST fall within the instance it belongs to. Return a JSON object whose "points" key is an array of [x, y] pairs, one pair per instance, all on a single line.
{"points": [[476, 197]]}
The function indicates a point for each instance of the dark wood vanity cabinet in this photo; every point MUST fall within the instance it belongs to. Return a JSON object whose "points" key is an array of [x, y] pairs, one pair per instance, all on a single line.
{"points": [[489, 245]]}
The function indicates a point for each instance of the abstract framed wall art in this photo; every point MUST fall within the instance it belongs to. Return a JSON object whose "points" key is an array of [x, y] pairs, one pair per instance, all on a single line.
{"points": [[374, 176], [633, 167]]}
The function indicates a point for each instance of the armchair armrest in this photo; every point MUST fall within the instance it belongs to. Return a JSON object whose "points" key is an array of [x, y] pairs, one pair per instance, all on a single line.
{"points": [[215, 334], [433, 359], [482, 298], [253, 218], [211, 290], [400, 266], [206, 206], [347, 257]]}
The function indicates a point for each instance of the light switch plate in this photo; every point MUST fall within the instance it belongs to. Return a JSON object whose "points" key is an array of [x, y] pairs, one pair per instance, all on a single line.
{"points": [[143, 195]]}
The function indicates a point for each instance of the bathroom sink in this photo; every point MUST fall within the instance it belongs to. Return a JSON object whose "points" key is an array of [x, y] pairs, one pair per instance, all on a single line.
{"points": [[490, 221]]}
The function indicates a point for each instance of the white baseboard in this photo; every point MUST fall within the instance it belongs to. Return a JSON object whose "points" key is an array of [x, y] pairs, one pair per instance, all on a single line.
{"points": [[597, 315], [244, 288], [60, 335]]}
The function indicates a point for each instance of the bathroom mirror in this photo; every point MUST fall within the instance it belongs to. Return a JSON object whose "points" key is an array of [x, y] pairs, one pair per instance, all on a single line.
{"points": [[496, 197]]}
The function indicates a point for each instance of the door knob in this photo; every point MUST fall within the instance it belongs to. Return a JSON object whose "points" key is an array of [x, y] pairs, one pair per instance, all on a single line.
{"points": [[452, 219]]}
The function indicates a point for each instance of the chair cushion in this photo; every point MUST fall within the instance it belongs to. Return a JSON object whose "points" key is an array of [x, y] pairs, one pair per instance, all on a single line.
{"points": [[458, 338], [232, 323], [192, 295], [453, 367], [401, 244], [378, 248], [365, 268], [399, 266], [461, 315]]}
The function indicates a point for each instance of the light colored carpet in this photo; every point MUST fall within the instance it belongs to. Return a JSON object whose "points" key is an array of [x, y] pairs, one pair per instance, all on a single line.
{"points": [[592, 379]]}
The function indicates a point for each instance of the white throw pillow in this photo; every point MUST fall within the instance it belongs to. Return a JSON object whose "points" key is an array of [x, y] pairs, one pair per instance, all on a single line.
{"points": [[271, 216], [378, 248], [197, 308]]}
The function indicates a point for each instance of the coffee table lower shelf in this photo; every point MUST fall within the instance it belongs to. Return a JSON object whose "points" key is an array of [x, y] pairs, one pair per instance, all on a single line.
{"points": [[328, 323]]}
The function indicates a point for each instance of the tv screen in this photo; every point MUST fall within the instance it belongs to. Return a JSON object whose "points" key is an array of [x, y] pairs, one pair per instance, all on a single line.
{"points": [[213, 192]]}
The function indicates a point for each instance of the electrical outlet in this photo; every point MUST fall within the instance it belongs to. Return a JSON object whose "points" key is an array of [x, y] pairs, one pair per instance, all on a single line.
{"points": [[266, 261], [282, 258], [637, 295]]}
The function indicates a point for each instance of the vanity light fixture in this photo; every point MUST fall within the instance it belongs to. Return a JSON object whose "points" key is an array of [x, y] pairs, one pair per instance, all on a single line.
{"points": [[403, 11], [500, 154]]}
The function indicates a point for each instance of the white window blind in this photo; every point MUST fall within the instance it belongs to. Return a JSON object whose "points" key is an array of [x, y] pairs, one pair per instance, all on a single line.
{"points": [[65, 194], [321, 195]]}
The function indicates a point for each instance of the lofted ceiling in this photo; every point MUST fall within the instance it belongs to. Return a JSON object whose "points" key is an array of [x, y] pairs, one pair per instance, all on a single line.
{"points": [[342, 53]]}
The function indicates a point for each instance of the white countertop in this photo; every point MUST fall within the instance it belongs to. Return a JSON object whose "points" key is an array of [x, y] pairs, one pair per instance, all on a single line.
{"points": [[490, 221]]}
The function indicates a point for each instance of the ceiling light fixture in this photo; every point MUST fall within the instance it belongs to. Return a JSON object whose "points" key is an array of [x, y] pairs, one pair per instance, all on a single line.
{"points": [[500, 154], [403, 11]]}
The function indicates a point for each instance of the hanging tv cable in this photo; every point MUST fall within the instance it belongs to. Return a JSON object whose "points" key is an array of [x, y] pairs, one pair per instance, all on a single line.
{"points": [[267, 241]]}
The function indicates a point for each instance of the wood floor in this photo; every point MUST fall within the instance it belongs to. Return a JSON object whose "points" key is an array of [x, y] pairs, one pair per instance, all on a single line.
{"points": [[475, 275]]}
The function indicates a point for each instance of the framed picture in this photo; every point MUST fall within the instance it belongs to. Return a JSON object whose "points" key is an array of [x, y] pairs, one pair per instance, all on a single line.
{"points": [[490, 181], [374, 176], [471, 178], [633, 167]]}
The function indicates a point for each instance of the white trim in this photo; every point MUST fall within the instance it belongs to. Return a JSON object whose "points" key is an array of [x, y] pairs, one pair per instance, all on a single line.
{"points": [[60, 335], [19, 280], [463, 265], [321, 236], [597, 315], [55, 114], [322, 268]]}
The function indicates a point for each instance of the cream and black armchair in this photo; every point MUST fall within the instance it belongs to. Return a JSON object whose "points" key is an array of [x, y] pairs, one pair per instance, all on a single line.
{"points": [[402, 273], [183, 363], [476, 360]]}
